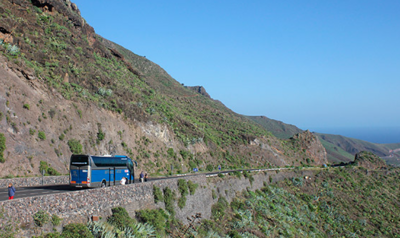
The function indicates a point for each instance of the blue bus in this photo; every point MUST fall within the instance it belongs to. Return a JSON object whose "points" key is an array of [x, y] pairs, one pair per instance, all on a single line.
{"points": [[87, 171]]}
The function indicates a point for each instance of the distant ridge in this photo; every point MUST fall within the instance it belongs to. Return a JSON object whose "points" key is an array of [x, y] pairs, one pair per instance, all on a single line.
{"points": [[338, 147]]}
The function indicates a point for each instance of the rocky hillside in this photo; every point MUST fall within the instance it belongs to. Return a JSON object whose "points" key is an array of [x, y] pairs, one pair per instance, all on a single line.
{"points": [[64, 90], [369, 160]]}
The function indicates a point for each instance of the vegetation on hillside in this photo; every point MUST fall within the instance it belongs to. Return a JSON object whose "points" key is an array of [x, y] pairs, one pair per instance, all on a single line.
{"points": [[344, 202], [51, 44], [337, 202]]}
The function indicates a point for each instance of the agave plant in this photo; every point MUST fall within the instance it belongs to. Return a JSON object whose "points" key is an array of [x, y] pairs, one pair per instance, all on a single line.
{"points": [[142, 230], [101, 229]]}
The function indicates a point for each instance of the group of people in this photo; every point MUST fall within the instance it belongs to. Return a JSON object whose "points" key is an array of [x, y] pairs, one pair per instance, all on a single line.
{"points": [[143, 177]]}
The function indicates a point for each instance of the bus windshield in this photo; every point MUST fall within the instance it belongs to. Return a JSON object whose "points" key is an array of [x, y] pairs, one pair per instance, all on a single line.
{"points": [[79, 160]]}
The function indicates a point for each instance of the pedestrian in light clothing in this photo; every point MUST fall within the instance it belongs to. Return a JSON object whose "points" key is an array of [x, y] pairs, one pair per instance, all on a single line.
{"points": [[141, 177], [11, 191]]}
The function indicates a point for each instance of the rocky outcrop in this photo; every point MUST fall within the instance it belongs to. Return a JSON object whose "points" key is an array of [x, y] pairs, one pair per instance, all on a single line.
{"points": [[369, 160], [199, 89], [312, 146]]}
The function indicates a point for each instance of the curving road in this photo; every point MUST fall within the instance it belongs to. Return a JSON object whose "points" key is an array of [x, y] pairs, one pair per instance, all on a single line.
{"points": [[22, 192]]}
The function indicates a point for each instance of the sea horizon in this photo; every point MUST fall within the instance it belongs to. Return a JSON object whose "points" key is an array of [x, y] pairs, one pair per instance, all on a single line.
{"points": [[380, 135]]}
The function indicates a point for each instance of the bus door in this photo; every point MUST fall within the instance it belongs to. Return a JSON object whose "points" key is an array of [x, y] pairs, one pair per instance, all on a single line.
{"points": [[111, 176]]}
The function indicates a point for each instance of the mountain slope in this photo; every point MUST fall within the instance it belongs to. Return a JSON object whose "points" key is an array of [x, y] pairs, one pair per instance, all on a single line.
{"points": [[278, 128], [65, 90]]}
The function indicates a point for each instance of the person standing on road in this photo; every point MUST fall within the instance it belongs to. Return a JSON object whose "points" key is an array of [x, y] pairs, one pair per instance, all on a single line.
{"points": [[146, 177], [141, 177], [11, 191]]}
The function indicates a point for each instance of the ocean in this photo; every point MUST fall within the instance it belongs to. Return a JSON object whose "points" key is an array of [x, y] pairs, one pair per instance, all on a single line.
{"points": [[381, 135]]}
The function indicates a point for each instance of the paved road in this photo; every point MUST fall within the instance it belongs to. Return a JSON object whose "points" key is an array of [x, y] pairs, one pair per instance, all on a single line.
{"points": [[22, 192]]}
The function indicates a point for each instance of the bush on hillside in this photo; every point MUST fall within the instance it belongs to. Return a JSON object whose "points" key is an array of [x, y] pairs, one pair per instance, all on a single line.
{"points": [[2, 147], [120, 218], [156, 218], [75, 230], [41, 217], [158, 196], [192, 187], [75, 146], [42, 135]]}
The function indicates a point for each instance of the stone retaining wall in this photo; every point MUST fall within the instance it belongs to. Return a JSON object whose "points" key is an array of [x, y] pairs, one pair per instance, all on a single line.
{"points": [[80, 206], [35, 181]]}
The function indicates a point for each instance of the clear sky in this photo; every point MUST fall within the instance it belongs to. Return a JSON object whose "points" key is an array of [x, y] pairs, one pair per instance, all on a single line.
{"points": [[313, 64]]}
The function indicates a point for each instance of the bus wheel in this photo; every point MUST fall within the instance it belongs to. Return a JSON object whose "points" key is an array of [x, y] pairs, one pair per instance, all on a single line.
{"points": [[103, 184]]}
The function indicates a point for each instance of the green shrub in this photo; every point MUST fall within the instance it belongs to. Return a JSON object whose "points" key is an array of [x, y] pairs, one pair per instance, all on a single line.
{"points": [[61, 137], [184, 153], [158, 196], [218, 209], [120, 218], [55, 220], [183, 187], [169, 198], [76, 230], [32, 131], [26, 106], [2, 147], [236, 204], [182, 202], [156, 218], [41, 217], [75, 146], [47, 169], [192, 187], [171, 153], [100, 135], [51, 171], [209, 167], [41, 135]]}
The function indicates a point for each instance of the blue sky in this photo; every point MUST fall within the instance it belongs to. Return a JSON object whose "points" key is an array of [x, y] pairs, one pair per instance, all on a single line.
{"points": [[313, 64]]}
